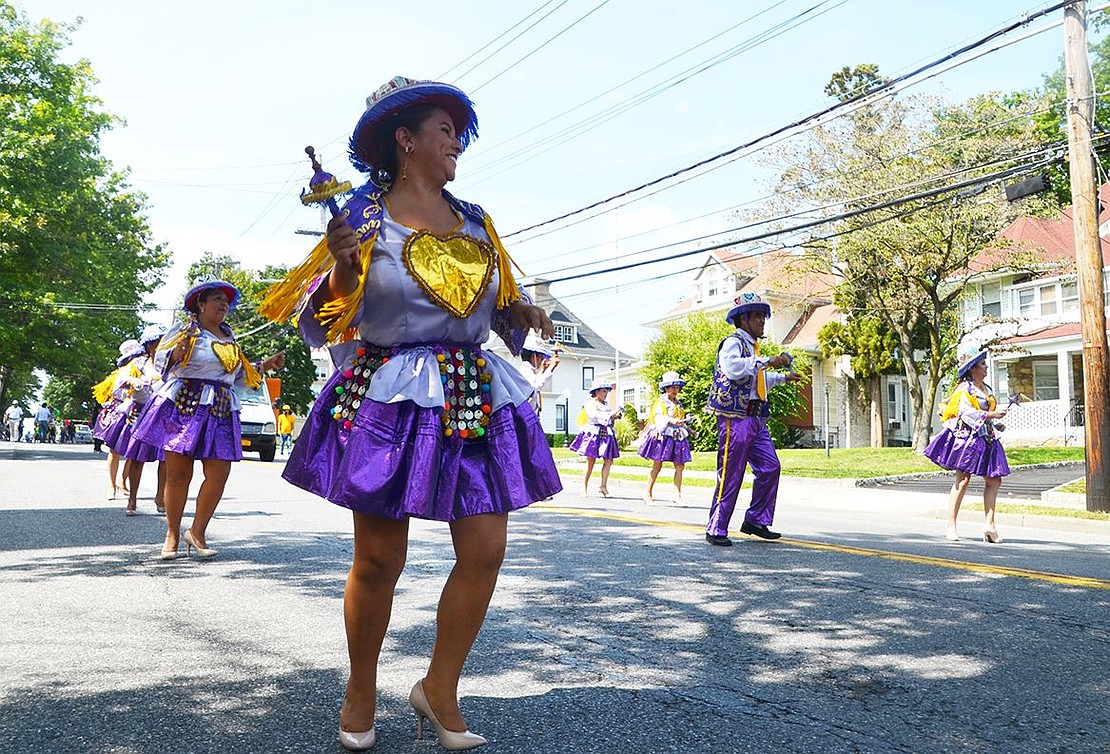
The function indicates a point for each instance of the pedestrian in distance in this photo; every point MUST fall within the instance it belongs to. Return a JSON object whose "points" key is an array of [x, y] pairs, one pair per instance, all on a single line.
{"points": [[137, 452], [667, 438], [42, 422], [418, 420], [742, 381], [968, 442], [194, 414], [13, 418], [285, 424], [596, 438]]}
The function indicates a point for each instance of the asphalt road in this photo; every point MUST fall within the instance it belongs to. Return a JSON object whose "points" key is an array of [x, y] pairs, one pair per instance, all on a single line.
{"points": [[1024, 483], [615, 628]]}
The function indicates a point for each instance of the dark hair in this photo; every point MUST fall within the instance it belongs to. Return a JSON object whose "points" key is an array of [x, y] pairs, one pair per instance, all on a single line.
{"points": [[384, 156]]}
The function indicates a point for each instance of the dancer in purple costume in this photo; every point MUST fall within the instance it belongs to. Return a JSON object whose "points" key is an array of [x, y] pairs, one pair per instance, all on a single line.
{"points": [[118, 412], [968, 443], [668, 438], [597, 439], [418, 419], [738, 396], [135, 450], [194, 413]]}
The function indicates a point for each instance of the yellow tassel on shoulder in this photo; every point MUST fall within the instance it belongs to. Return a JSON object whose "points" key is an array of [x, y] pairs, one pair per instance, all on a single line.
{"points": [[338, 314], [281, 299], [507, 290], [102, 391], [252, 376]]}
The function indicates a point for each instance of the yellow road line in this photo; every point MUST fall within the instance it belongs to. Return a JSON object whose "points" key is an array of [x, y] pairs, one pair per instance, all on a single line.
{"points": [[962, 565]]}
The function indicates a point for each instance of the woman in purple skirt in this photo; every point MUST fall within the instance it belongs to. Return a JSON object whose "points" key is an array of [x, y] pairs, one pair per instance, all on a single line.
{"points": [[135, 450], [968, 444], [596, 439], [194, 414], [118, 412], [418, 420], [668, 438]]}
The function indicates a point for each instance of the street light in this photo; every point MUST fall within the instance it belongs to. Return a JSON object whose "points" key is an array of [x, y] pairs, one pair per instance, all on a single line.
{"points": [[566, 416]]}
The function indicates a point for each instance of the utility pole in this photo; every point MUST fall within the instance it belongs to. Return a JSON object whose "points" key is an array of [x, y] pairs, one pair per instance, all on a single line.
{"points": [[1088, 253]]}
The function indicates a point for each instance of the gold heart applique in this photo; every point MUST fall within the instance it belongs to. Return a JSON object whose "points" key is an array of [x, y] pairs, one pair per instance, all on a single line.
{"points": [[228, 354], [453, 271]]}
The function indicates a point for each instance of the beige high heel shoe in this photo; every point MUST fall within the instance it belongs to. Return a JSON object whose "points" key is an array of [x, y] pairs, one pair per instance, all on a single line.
{"points": [[352, 741], [191, 544], [448, 739], [991, 535]]}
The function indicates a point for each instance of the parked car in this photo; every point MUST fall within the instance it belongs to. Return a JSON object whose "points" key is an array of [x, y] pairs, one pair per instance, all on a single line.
{"points": [[82, 433], [256, 418]]}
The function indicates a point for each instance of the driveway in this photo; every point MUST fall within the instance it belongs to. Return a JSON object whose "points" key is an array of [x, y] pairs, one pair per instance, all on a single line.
{"points": [[1024, 483]]}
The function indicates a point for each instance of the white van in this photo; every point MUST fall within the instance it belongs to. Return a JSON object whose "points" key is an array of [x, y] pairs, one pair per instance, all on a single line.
{"points": [[256, 417]]}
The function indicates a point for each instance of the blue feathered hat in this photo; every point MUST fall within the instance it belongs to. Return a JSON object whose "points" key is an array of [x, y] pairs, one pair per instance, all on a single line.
{"points": [[399, 93], [207, 283], [747, 302], [969, 361]]}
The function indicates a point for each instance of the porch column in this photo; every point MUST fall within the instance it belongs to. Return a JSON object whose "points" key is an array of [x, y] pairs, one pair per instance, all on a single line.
{"points": [[1063, 377]]}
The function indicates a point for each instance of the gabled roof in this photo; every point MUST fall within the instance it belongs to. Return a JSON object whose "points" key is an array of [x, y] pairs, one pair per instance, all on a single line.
{"points": [[1052, 332], [804, 333], [1053, 239], [589, 344]]}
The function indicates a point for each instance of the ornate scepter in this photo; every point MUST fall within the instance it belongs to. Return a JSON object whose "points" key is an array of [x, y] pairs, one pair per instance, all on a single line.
{"points": [[323, 187]]}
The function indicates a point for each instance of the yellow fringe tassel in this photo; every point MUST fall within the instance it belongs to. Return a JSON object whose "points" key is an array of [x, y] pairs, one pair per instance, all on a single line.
{"points": [[252, 375], [507, 290], [338, 314], [189, 332], [281, 299], [102, 391]]}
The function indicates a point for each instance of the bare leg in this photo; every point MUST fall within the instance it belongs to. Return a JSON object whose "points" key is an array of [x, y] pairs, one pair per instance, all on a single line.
{"points": [[605, 466], [125, 474], [134, 475], [589, 470], [656, 467], [990, 501], [955, 498], [479, 550], [380, 550], [211, 490], [160, 493], [113, 471], [179, 472], [678, 468]]}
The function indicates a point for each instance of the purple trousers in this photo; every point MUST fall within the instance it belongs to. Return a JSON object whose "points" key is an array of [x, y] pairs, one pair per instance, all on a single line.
{"points": [[743, 441]]}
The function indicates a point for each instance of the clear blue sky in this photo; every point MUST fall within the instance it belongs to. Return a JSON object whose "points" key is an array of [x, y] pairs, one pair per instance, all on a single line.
{"points": [[221, 98]]}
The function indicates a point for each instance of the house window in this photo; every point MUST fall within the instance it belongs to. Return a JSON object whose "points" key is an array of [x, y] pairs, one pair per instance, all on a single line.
{"points": [[1069, 297], [1026, 300], [712, 288], [1048, 299], [560, 417], [992, 300], [566, 333], [629, 396], [1046, 380], [587, 377]]}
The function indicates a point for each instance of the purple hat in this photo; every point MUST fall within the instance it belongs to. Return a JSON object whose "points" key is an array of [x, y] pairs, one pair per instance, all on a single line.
{"points": [[969, 361], [396, 95], [600, 384], [747, 302], [207, 283], [670, 378], [128, 350]]}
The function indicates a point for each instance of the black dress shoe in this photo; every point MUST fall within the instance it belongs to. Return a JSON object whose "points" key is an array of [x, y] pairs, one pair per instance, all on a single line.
{"points": [[718, 539], [759, 530]]}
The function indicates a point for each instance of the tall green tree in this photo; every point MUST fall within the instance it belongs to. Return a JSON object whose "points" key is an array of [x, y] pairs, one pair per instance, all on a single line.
{"points": [[908, 266], [76, 256], [258, 336], [689, 347]]}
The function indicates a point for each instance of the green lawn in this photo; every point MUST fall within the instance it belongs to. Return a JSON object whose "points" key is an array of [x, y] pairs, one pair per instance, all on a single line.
{"points": [[853, 463]]}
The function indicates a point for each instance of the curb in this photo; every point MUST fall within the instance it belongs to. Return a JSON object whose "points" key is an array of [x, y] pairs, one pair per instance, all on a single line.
{"points": [[879, 480]]}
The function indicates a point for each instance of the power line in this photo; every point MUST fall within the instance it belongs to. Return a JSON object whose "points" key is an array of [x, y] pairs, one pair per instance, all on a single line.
{"points": [[443, 76], [856, 100]]}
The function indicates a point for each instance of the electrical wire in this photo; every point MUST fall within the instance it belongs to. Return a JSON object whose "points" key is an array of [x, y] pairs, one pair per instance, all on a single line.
{"points": [[443, 76], [856, 100]]}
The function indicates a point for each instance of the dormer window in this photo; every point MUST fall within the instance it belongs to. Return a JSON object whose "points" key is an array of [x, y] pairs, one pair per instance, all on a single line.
{"points": [[566, 333]]}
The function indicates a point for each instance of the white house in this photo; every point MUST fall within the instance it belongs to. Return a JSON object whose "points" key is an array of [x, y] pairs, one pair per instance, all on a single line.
{"points": [[584, 355], [1031, 323]]}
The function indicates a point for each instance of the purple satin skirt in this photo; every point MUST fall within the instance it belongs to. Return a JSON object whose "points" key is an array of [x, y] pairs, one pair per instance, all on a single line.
{"points": [[664, 449], [394, 461], [972, 454], [596, 442], [135, 449], [106, 421], [198, 435]]}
